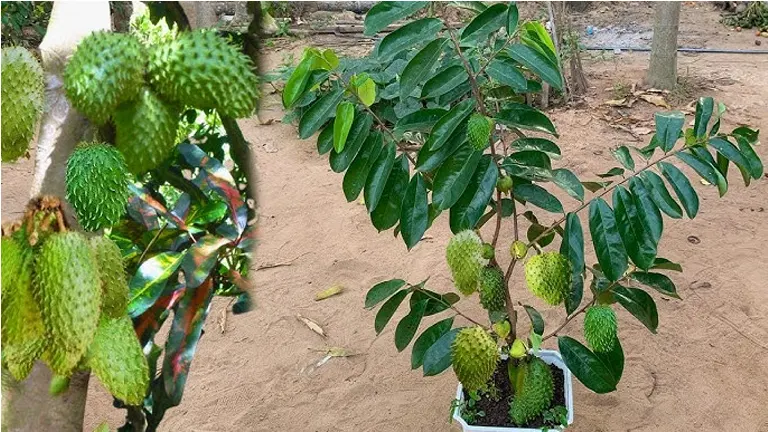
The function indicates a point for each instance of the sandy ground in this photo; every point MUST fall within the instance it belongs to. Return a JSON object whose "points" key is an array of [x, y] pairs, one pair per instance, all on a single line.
{"points": [[705, 370]]}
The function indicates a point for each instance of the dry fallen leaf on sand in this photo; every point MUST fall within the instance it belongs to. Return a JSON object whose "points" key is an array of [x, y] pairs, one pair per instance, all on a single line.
{"points": [[315, 327], [642, 130], [655, 100], [329, 292]]}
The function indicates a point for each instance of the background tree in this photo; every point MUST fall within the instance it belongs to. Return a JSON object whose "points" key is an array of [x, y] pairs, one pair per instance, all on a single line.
{"points": [[662, 72]]}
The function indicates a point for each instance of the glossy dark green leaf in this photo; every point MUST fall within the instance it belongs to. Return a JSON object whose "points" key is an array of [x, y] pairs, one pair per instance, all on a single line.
{"points": [[606, 239], [535, 230], [407, 327], [665, 264], [420, 67], [524, 117], [150, 280], [429, 160], [382, 291], [387, 212], [537, 322], [427, 339], [639, 304], [538, 144], [388, 310], [647, 212], [345, 115], [729, 150], [297, 82], [538, 63], [356, 176], [453, 176], [454, 95], [485, 23], [378, 176], [747, 133], [409, 36], [682, 187], [385, 13], [470, 208], [505, 71], [538, 196], [704, 108], [527, 172], [447, 124], [572, 247], [755, 165], [594, 186], [707, 171], [438, 356], [657, 281], [668, 128], [531, 158], [361, 128], [638, 240], [613, 172], [614, 359], [444, 82], [624, 157], [660, 195], [319, 113], [414, 212], [420, 121], [325, 139], [513, 16], [568, 182], [591, 370]]}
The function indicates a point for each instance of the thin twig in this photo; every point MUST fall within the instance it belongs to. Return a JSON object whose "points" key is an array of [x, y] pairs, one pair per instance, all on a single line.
{"points": [[152, 242], [472, 79], [567, 320], [458, 312]]}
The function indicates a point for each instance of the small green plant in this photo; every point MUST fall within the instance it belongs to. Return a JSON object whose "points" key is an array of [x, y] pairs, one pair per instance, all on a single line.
{"points": [[557, 415], [621, 89], [468, 408]]}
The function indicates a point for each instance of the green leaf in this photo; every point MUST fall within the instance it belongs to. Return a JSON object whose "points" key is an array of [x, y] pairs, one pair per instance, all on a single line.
{"points": [[591, 370], [297, 82], [668, 128], [420, 66], [524, 117], [448, 123], [606, 239], [409, 36], [319, 112], [537, 322], [730, 151], [453, 177], [427, 339], [428, 160], [639, 304], [361, 127], [387, 212], [378, 176], [613, 172], [388, 310], [572, 247], [485, 23], [614, 359], [595, 186], [535, 35], [538, 63], [657, 281], [454, 95], [647, 212], [535, 230], [345, 115], [325, 139], [382, 291], [505, 71], [367, 92], [539, 144], [660, 195], [568, 182], [469, 209], [624, 157], [357, 174], [704, 108], [407, 327], [420, 121], [707, 171], [755, 165], [414, 212], [150, 280], [513, 16], [444, 82], [638, 241], [750, 135], [682, 187], [438, 356], [531, 158], [385, 13], [538, 196], [665, 264]]}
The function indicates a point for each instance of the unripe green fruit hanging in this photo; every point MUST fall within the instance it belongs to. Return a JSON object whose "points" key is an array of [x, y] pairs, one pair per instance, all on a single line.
{"points": [[97, 185], [106, 70], [202, 70], [22, 101], [112, 272], [548, 276], [479, 131], [518, 249], [492, 288], [59, 384], [488, 251], [600, 326], [504, 184], [474, 356], [464, 254], [534, 389]]}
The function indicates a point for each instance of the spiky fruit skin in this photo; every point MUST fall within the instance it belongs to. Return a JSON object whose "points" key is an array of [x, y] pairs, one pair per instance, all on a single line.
{"points": [[201, 69], [479, 131], [474, 356], [548, 276], [534, 390], [600, 327], [464, 254], [491, 289], [116, 357], [59, 384], [145, 131], [488, 251], [112, 273], [97, 185], [22, 101], [504, 184], [106, 70], [518, 249], [69, 294]]}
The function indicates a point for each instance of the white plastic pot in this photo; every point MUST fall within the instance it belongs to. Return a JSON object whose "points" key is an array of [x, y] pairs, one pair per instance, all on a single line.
{"points": [[549, 357]]}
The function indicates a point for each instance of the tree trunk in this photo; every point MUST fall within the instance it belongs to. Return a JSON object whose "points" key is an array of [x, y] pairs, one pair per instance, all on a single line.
{"points": [[27, 406], [662, 72]]}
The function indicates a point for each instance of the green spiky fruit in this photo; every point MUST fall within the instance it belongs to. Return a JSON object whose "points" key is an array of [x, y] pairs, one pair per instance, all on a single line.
{"points": [[69, 294], [112, 272], [491, 289], [116, 357], [59, 384], [504, 184], [22, 101], [600, 326], [488, 251], [464, 254], [97, 185], [518, 249], [548, 276], [146, 131], [474, 356], [106, 70], [479, 131], [202, 70], [534, 389]]}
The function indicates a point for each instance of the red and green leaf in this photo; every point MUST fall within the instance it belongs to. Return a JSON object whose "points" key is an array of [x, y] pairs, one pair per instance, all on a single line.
{"points": [[150, 280], [201, 258], [148, 201]]}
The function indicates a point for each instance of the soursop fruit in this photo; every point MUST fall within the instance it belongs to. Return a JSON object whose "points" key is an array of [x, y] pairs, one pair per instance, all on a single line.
{"points": [[474, 355], [97, 185], [600, 326], [491, 289], [146, 131], [116, 357], [106, 70], [203, 70], [112, 272], [534, 389], [22, 101], [479, 131], [548, 276], [504, 184], [69, 294], [518, 249], [59, 384], [464, 254]]}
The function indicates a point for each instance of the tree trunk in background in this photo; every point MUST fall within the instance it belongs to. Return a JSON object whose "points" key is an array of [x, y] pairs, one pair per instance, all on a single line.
{"points": [[662, 72], [27, 406]]}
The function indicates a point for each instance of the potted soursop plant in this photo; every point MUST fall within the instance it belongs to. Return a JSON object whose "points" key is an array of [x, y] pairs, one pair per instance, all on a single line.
{"points": [[434, 121]]}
